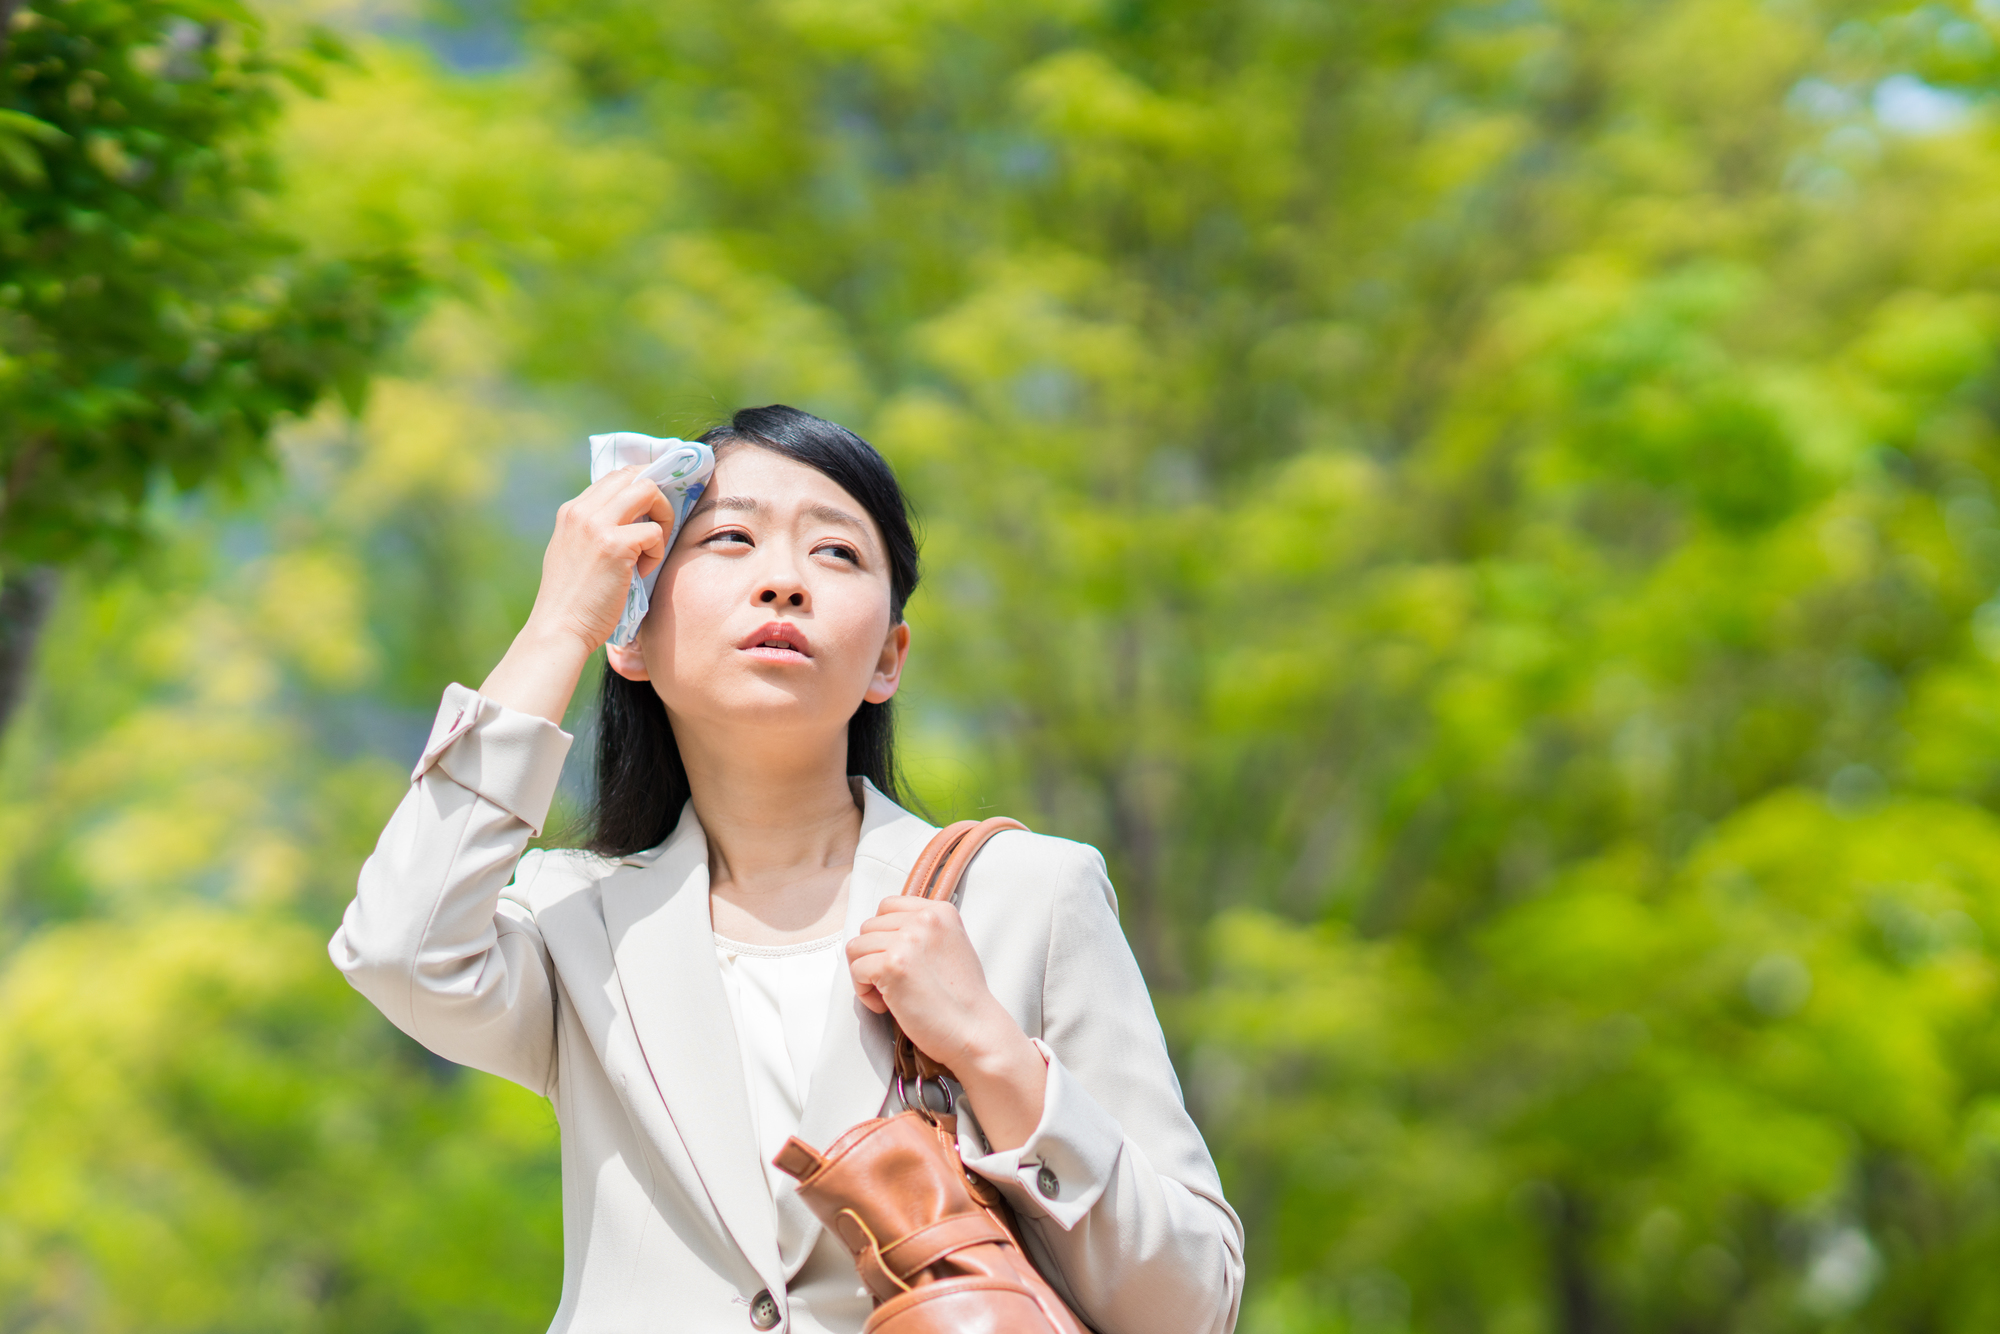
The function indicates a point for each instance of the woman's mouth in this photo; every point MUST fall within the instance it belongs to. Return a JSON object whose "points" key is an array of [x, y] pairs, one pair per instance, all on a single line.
{"points": [[779, 641]]}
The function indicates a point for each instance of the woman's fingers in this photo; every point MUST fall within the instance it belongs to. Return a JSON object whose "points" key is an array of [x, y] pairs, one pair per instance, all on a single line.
{"points": [[867, 989], [907, 936], [648, 544], [600, 494], [606, 489], [623, 496], [645, 517], [899, 911], [907, 903], [875, 956], [619, 499], [913, 959], [901, 930], [868, 941], [653, 503], [627, 516], [616, 525]]}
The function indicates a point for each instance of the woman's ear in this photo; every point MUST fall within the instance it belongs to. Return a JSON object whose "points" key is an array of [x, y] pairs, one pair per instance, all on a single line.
{"points": [[889, 667], [629, 663]]}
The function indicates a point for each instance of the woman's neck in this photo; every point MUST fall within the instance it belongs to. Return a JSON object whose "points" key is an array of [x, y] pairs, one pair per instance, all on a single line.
{"points": [[782, 825]]}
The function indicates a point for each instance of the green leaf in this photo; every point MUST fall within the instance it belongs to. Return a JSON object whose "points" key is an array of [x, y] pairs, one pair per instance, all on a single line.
{"points": [[20, 133]]}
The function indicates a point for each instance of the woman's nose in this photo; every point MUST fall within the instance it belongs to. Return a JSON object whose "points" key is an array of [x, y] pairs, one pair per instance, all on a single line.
{"points": [[793, 597]]}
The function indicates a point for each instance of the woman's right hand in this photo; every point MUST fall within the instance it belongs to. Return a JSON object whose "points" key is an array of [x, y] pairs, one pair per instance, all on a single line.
{"points": [[617, 526]]}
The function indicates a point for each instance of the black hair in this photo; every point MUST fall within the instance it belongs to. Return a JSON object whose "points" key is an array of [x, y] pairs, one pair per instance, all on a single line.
{"points": [[641, 782]]}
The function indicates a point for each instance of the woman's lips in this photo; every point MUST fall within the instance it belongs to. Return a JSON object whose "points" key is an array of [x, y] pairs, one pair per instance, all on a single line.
{"points": [[777, 641]]}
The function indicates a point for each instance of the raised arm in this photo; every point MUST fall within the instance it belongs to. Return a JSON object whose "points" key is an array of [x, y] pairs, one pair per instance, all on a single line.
{"points": [[433, 937], [429, 937]]}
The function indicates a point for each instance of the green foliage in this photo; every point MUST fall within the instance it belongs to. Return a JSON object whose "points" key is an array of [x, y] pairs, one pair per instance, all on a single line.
{"points": [[210, 1132], [155, 319], [1744, 1100], [202, 1126], [1486, 512]]}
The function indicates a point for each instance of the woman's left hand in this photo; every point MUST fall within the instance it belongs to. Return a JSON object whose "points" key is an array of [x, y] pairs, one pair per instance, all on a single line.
{"points": [[914, 960]]}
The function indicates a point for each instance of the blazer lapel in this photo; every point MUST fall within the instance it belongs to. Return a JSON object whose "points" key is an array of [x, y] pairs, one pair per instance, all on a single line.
{"points": [[658, 918], [851, 1079]]}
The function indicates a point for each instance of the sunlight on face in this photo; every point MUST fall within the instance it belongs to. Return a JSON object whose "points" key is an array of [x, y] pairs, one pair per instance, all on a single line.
{"points": [[773, 607]]}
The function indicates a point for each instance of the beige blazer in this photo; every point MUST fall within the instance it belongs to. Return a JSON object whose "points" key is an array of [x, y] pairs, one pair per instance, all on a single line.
{"points": [[594, 982]]}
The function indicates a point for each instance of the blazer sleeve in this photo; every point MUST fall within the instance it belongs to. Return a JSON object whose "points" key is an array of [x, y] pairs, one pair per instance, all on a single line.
{"points": [[439, 935], [1119, 1196]]}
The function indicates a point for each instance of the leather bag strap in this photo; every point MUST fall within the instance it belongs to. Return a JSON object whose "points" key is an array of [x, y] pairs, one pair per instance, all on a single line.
{"points": [[923, 876], [938, 874], [899, 1263]]}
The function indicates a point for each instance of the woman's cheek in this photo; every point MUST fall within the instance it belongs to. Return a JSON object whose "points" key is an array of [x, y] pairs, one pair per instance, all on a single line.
{"points": [[700, 606]]}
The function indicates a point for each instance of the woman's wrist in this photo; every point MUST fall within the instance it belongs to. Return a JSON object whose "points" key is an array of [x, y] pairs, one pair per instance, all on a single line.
{"points": [[539, 672], [1005, 1077]]}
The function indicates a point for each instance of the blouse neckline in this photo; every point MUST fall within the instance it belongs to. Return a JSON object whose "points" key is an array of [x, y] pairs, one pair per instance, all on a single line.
{"points": [[738, 947]]}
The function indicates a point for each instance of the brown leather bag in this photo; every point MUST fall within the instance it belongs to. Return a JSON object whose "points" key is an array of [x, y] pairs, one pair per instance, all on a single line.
{"points": [[936, 1245]]}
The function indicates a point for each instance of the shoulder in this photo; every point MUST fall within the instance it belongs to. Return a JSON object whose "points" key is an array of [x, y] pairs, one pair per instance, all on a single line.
{"points": [[1057, 874], [1044, 918], [546, 876]]}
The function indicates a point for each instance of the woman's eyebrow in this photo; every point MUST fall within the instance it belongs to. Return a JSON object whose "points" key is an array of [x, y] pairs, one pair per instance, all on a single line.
{"points": [[747, 504], [828, 514], [752, 505]]}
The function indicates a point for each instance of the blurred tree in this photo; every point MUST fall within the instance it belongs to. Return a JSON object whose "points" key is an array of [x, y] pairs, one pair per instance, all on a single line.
{"points": [[1398, 464], [155, 319], [210, 1133], [1496, 500], [226, 1136], [201, 1126]]}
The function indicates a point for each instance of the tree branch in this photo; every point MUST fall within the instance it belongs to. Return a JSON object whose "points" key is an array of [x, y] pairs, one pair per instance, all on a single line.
{"points": [[6, 29], [26, 594], [23, 468]]}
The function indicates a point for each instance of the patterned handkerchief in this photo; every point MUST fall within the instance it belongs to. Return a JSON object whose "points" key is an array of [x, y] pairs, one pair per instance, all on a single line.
{"points": [[681, 468]]}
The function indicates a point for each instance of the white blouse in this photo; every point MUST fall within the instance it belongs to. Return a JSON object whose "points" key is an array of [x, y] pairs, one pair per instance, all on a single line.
{"points": [[778, 997]]}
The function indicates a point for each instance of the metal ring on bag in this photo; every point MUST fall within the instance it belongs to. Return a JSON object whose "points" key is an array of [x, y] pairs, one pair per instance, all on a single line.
{"points": [[944, 1087], [923, 1103]]}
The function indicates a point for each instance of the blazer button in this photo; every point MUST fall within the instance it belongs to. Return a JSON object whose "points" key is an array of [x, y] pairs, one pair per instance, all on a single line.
{"points": [[1046, 1183], [764, 1310]]}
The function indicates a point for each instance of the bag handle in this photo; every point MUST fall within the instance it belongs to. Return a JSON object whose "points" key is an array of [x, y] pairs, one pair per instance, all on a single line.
{"points": [[938, 874], [955, 846]]}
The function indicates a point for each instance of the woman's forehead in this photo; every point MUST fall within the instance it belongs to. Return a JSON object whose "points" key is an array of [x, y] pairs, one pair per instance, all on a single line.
{"points": [[757, 480]]}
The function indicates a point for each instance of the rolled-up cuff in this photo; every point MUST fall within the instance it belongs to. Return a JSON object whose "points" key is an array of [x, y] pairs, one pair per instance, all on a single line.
{"points": [[512, 759], [1067, 1163]]}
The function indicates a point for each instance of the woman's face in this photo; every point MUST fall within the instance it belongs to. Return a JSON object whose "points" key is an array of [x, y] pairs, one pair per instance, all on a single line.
{"points": [[773, 606]]}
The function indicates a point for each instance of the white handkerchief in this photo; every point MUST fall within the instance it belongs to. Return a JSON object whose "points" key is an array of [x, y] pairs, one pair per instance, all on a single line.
{"points": [[681, 468]]}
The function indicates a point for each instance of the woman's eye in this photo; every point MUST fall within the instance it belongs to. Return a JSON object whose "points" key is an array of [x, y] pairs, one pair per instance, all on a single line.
{"points": [[844, 553], [731, 535]]}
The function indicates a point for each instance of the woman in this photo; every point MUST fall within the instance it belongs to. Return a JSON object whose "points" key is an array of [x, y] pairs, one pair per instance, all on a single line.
{"points": [[706, 977]]}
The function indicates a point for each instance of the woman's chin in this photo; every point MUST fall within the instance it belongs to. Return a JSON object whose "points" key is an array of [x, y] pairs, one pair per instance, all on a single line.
{"points": [[758, 700]]}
